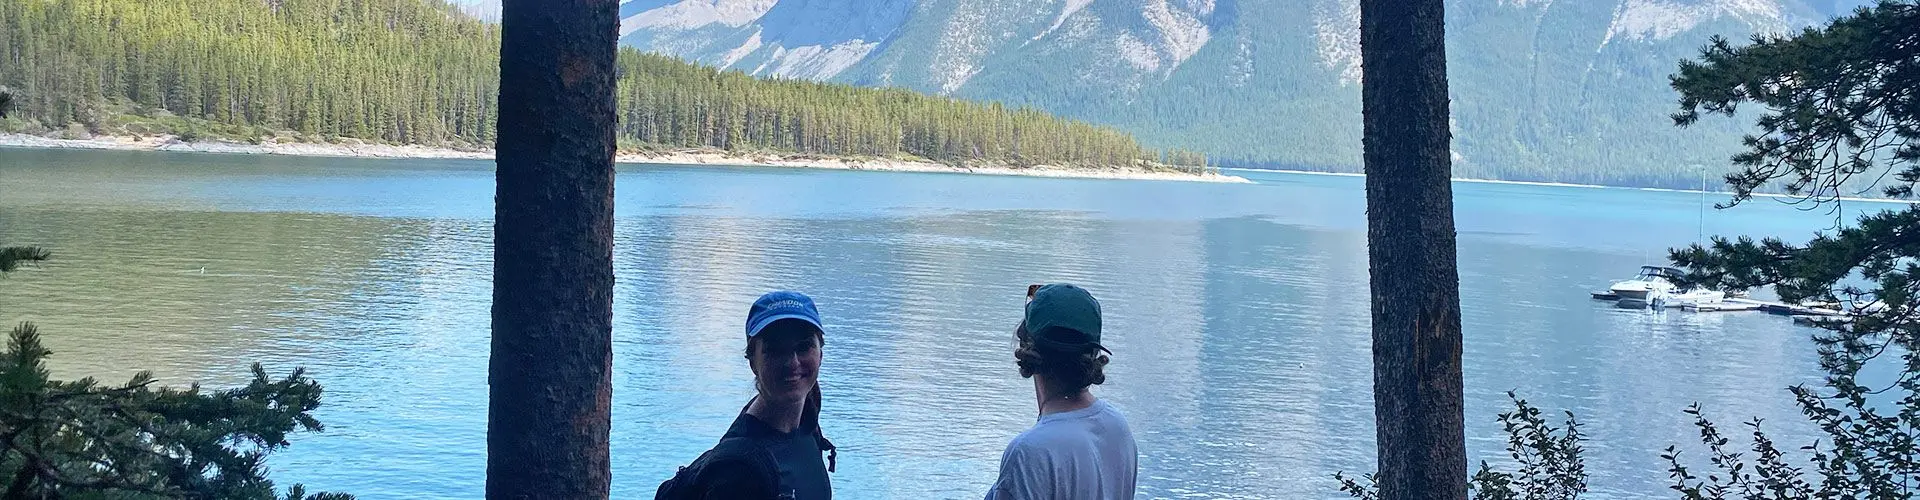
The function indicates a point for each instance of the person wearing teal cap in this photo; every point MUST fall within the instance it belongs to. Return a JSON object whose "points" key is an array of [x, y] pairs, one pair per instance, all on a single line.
{"points": [[1080, 447]]}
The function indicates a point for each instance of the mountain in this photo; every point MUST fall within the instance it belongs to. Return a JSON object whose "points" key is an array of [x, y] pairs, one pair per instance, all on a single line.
{"points": [[1551, 90], [484, 10]]}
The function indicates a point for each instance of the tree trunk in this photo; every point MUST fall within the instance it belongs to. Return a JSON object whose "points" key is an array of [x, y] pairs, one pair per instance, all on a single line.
{"points": [[549, 376], [1415, 278]]}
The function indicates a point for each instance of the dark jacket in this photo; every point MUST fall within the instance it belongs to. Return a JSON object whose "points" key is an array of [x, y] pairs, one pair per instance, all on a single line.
{"points": [[755, 461]]}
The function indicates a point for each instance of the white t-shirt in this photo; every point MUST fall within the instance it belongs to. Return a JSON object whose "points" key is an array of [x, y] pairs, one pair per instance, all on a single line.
{"points": [[1082, 454]]}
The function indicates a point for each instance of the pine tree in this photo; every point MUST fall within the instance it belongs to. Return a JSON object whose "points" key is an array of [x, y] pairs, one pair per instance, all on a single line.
{"points": [[6, 101], [1417, 390], [550, 372], [84, 439], [1839, 103]]}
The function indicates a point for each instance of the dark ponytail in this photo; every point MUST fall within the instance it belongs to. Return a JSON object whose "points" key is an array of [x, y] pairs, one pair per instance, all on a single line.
{"points": [[812, 419]]}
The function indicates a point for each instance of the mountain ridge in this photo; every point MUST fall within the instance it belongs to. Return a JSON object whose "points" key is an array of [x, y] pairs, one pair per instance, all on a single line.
{"points": [[1544, 90]]}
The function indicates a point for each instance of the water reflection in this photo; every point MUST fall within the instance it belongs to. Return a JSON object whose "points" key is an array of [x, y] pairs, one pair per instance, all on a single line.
{"points": [[1238, 314]]}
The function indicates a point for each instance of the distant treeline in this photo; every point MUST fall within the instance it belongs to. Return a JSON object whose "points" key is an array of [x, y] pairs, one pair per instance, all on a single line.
{"points": [[664, 101], [420, 72], [388, 70]]}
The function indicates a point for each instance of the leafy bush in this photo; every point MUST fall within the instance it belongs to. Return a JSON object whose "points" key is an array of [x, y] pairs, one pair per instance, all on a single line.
{"points": [[1550, 466]]}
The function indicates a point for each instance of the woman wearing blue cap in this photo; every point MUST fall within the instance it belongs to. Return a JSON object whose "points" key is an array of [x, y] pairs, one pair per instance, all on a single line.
{"points": [[773, 450]]}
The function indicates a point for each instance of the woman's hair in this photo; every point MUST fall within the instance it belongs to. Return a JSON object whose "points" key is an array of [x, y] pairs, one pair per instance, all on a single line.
{"points": [[1067, 372]]}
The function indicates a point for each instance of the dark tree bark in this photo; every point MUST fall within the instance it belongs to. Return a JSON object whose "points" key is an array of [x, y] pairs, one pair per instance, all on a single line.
{"points": [[549, 377], [1417, 397]]}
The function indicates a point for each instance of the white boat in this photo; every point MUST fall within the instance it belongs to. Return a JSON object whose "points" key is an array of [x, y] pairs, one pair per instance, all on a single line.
{"points": [[1693, 298], [1690, 298], [1651, 279]]}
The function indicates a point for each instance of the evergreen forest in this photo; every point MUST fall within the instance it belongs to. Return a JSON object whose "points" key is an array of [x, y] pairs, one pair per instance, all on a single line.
{"points": [[422, 72]]}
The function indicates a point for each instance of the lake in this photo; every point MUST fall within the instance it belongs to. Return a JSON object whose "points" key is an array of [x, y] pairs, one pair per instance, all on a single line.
{"points": [[1237, 313]]}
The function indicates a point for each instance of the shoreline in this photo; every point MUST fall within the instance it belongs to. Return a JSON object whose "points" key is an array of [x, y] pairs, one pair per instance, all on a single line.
{"points": [[1454, 179], [356, 149], [1774, 196]]}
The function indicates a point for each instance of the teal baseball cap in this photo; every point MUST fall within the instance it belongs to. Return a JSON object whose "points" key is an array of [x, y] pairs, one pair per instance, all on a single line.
{"points": [[1063, 317]]}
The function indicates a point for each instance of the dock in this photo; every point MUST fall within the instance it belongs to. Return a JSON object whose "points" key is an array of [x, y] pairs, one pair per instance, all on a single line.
{"points": [[1821, 321], [1727, 305], [1785, 309], [1805, 315], [1820, 316], [1773, 307]]}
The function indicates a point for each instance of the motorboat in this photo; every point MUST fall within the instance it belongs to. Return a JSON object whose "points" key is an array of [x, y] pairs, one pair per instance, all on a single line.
{"points": [[1651, 279], [1691, 297]]}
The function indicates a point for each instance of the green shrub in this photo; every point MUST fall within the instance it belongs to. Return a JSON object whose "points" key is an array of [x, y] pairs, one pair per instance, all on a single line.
{"points": [[1548, 458], [137, 440]]}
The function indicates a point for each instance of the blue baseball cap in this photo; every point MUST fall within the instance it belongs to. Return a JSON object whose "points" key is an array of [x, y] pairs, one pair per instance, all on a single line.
{"points": [[776, 306]]}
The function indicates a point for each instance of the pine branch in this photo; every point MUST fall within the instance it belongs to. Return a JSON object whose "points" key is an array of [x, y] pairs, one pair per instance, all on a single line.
{"points": [[12, 257]]}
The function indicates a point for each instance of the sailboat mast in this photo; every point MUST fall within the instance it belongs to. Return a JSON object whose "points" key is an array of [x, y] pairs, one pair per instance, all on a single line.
{"points": [[1700, 231]]}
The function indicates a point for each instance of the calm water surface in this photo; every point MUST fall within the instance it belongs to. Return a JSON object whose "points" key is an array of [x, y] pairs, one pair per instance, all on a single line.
{"points": [[1237, 312]]}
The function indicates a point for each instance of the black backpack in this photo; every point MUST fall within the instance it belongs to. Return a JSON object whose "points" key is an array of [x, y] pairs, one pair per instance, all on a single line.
{"points": [[738, 466]]}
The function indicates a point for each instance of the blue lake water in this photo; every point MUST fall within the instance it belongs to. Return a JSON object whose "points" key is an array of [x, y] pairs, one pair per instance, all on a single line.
{"points": [[1237, 313]]}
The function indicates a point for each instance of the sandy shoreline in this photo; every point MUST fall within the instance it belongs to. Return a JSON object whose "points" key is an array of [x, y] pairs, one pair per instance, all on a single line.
{"points": [[688, 157], [1782, 197], [1454, 179]]}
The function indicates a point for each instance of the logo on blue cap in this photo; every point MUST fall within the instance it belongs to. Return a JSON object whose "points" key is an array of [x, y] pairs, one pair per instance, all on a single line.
{"points": [[776, 306]]}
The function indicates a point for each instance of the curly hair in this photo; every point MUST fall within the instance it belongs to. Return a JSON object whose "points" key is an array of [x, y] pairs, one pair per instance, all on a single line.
{"points": [[1067, 372]]}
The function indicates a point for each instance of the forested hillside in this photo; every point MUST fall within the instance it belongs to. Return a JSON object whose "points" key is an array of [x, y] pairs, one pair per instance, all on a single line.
{"points": [[664, 101], [1567, 91], [421, 72], [392, 70]]}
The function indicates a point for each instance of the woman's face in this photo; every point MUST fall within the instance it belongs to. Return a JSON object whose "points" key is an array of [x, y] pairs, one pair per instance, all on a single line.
{"points": [[786, 361]]}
